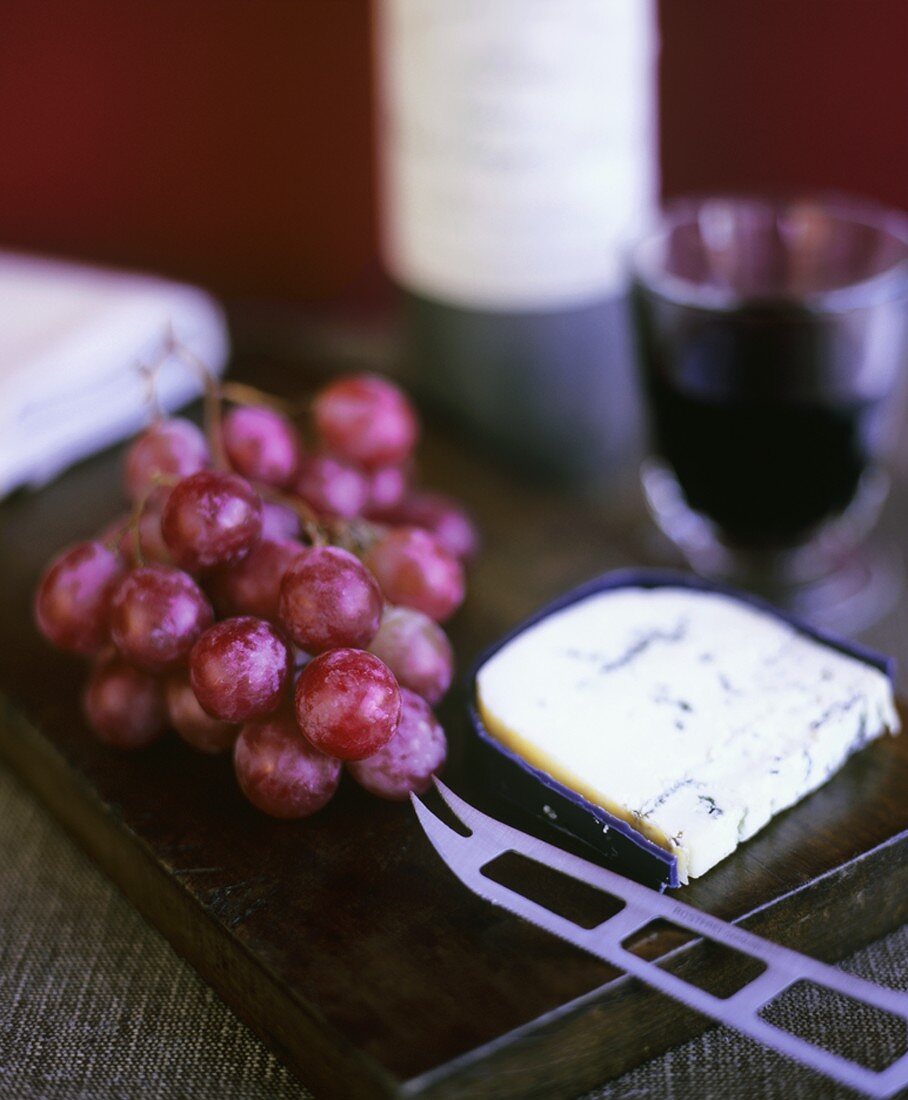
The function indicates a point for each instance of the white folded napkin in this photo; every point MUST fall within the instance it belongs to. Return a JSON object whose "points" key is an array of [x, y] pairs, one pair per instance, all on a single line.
{"points": [[72, 341]]}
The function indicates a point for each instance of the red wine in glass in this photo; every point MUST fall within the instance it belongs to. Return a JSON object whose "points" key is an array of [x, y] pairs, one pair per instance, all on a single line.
{"points": [[771, 339]]}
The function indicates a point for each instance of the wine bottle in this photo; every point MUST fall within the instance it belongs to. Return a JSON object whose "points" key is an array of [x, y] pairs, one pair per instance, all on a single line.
{"points": [[517, 156]]}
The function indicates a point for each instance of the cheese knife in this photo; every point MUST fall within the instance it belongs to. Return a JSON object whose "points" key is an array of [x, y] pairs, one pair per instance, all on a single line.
{"points": [[468, 857]]}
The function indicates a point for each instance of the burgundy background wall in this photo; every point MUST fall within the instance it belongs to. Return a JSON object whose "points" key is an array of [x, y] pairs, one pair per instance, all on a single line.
{"points": [[229, 141]]}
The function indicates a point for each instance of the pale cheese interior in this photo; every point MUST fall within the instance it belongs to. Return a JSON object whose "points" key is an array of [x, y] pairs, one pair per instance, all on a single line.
{"points": [[691, 715]]}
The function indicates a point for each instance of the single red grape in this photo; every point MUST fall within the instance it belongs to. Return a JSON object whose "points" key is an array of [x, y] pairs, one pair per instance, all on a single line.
{"points": [[157, 614], [331, 487], [170, 449], [387, 488], [414, 570], [347, 703], [280, 772], [253, 585], [211, 518], [280, 522], [195, 727], [329, 599], [416, 650], [122, 535], [367, 420], [125, 707], [443, 517], [72, 602], [408, 761], [262, 445], [239, 669]]}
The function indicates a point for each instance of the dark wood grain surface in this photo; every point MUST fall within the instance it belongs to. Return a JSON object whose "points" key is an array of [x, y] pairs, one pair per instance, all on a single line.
{"points": [[343, 940]]}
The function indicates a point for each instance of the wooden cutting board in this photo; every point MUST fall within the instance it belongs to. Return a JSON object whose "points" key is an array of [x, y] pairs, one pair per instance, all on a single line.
{"points": [[343, 941]]}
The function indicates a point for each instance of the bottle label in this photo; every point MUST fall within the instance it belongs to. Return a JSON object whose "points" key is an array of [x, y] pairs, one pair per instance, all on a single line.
{"points": [[517, 141]]}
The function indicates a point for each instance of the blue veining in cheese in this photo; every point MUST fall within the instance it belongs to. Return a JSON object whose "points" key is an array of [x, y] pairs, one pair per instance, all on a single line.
{"points": [[692, 715]]}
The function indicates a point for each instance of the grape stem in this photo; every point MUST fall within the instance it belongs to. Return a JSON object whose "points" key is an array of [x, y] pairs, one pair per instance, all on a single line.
{"points": [[135, 531], [112, 542], [149, 373], [212, 398], [313, 527], [239, 393], [133, 524], [354, 535]]}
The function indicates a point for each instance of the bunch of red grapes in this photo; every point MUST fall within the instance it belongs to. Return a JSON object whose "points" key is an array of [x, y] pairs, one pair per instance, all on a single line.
{"points": [[275, 599]]}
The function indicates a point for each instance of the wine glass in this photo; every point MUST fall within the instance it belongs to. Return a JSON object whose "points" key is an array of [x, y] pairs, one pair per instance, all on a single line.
{"points": [[772, 342]]}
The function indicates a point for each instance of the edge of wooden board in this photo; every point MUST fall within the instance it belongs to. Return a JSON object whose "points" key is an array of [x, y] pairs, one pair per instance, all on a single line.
{"points": [[582, 1043], [281, 1021], [575, 1047]]}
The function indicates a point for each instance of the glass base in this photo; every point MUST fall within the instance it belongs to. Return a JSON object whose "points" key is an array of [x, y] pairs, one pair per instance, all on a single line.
{"points": [[836, 580], [853, 596]]}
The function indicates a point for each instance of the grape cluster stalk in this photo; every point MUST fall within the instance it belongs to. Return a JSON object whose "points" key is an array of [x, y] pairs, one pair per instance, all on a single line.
{"points": [[275, 591]]}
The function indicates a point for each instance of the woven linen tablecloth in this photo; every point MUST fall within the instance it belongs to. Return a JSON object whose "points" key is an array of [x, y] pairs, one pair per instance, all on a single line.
{"points": [[94, 1004]]}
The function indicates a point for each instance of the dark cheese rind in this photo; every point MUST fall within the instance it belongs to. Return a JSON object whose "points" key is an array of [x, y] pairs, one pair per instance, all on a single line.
{"points": [[506, 775]]}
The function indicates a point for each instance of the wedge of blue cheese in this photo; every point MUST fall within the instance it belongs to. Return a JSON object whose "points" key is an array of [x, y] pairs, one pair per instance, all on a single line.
{"points": [[692, 715]]}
